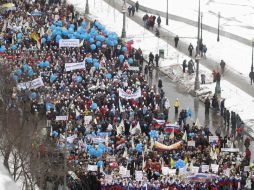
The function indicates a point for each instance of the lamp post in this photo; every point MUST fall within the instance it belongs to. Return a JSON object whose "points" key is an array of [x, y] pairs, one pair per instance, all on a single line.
{"points": [[251, 75], [124, 11], [87, 7], [167, 14], [197, 82], [218, 33], [65, 144], [201, 27]]}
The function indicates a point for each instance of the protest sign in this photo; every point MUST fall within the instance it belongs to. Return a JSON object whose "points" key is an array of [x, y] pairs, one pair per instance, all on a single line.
{"points": [[227, 172], [71, 138], [192, 143], [74, 66], [108, 178], [131, 68], [88, 119], [205, 168], [61, 118], [98, 140], [229, 149], [213, 138], [122, 170], [36, 83], [69, 43], [214, 168], [195, 169], [139, 175], [246, 168], [165, 170], [127, 96], [92, 168], [127, 174]]}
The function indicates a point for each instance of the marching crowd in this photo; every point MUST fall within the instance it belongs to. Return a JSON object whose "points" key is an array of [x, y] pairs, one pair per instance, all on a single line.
{"points": [[117, 127]]}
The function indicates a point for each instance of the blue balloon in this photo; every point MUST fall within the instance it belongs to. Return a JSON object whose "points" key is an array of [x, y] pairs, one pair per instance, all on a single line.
{"points": [[79, 79], [71, 30], [54, 134], [72, 26], [93, 46], [83, 24], [130, 61], [30, 73], [52, 27], [2, 49], [43, 40], [54, 33], [26, 67], [95, 60], [15, 77], [19, 35], [139, 148], [96, 65], [52, 77], [89, 60], [153, 134], [58, 38], [101, 146], [60, 23], [100, 38], [100, 164], [109, 76], [94, 106], [33, 95], [46, 63], [18, 72], [14, 47], [91, 40], [49, 106], [49, 38], [72, 36], [98, 44], [124, 49], [65, 32], [106, 32], [121, 58]]}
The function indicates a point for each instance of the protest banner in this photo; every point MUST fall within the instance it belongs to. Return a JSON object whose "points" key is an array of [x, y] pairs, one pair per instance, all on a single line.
{"points": [[213, 138], [61, 118], [138, 175], [192, 143], [205, 168], [127, 174], [98, 140], [127, 96], [195, 169], [92, 168], [88, 119], [71, 138], [69, 43], [122, 170], [110, 158], [131, 68], [214, 168], [74, 66], [229, 149], [165, 170], [36, 83]]}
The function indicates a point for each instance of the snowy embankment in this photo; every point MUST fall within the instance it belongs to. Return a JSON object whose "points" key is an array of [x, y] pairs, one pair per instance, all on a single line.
{"points": [[236, 99]]}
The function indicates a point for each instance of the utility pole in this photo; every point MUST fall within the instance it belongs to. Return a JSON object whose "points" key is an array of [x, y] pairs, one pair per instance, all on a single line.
{"points": [[197, 82], [218, 36], [124, 11], [167, 14], [87, 8], [201, 26], [251, 75]]}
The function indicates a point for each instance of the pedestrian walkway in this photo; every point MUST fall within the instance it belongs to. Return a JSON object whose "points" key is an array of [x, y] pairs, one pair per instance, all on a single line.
{"points": [[168, 36]]}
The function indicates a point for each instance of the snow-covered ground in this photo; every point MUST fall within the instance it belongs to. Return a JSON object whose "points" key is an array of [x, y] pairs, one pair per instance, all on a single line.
{"points": [[236, 15], [236, 99]]}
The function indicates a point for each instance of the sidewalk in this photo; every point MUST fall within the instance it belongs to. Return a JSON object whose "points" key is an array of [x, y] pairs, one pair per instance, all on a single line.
{"points": [[211, 63]]}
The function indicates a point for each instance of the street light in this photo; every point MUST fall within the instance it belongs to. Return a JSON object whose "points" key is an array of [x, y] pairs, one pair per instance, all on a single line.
{"points": [[197, 82], [65, 143], [251, 75], [218, 36], [202, 27], [87, 7], [167, 14], [124, 11]]}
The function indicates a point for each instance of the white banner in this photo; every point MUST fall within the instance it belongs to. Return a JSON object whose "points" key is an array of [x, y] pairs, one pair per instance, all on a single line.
{"points": [[69, 43], [134, 95], [213, 138], [230, 150], [36, 83], [122, 170], [205, 168], [88, 119], [71, 138], [192, 143], [108, 178], [127, 174], [61, 118], [98, 140], [92, 168], [195, 169], [131, 68], [74, 66]]}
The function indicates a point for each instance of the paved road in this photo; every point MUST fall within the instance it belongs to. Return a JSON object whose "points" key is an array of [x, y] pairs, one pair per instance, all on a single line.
{"points": [[209, 62]]}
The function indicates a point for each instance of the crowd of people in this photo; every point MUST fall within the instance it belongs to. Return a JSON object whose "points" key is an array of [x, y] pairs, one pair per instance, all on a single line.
{"points": [[117, 127]]}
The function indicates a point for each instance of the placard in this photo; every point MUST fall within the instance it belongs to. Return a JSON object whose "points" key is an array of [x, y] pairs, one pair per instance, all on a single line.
{"points": [[138, 175], [215, 168], [61, 118], [213, 138], [108, 178], [205, 168], [128, 96], [192, 143], [68, 43], [88, 119], [127, 174], [195, 169], [229, 149], [246, 169], [92, 168], [165, 170], [122, 170], [131, 68]]}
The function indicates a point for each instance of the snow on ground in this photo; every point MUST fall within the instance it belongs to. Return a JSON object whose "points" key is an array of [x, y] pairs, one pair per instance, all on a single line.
{"points": [[236, 99], [236, 16]]}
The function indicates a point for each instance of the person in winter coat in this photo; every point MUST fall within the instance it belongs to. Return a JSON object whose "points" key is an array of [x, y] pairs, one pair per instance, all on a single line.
{"points": [[137, 6], [159, 85], [159, 21], [177, 105], [151, 58], [129, 10], [157, 32], [207, 105], [202, 78], [190, 49], [190, 67], [215, 103], [222, 66], [222, 106], [133, 10], [157, 57], [176, 39], [184, 65]]}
